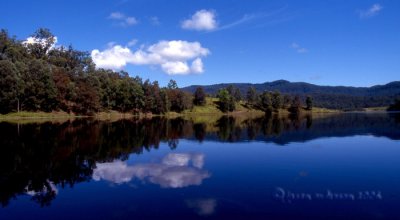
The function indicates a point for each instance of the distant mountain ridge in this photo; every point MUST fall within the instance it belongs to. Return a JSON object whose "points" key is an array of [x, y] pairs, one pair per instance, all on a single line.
{"points": [[338, 97]]}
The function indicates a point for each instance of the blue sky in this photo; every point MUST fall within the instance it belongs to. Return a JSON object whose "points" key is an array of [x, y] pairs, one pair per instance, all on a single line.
{"points": [[332, 42]]}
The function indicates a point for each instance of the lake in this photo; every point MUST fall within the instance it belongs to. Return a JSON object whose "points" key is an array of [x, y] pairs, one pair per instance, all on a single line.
{"points": [[320, 167]]}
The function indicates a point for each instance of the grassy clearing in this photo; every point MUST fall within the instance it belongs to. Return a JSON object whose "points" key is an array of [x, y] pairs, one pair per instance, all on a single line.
{"points": [[36, 117], [324, 110], [32, 117], [211, 107]]}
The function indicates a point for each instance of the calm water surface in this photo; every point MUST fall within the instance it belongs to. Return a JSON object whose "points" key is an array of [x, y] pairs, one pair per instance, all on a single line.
{"points": [[260, 168]]}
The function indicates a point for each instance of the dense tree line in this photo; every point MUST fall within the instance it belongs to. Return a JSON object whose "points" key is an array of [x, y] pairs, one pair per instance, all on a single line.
{"points": [[267, 101], [38, 76]]}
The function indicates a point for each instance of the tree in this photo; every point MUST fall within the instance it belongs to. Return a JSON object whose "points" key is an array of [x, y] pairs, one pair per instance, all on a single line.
{"points": [[172, 84], [137, 96], [87, 102], [277, 100], [164, 104], [40, 91], [295, 107], [266, 102], [199, 96], [123, 96], [309, 103], [251, 96], [286, 101], [237, 95], [10, 87], [149, 102], [226, 101], [177, 100], [230, 89], [185, 101], [41, 42]]}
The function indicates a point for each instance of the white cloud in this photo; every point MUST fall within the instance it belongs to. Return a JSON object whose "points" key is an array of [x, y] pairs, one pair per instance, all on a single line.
{"points": [[298, 48], [112, 58], [370, 12], [197, 66], [200, 21], [176, 67], [174, 171], [171, 56], [122, 19], [178, 50]]}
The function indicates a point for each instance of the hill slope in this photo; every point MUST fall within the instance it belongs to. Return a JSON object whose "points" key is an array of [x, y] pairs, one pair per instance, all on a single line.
{"points": [[337, 97]]}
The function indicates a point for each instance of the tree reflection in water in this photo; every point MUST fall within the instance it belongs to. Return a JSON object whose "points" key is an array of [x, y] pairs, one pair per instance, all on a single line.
{"points": [[36, 158]]}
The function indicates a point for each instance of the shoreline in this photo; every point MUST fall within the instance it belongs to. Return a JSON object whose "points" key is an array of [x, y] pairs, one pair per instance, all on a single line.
{"points": [[114, 115]]}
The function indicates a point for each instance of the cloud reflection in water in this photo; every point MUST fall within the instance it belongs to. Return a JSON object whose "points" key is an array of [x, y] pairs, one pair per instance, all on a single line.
{"points": [[202, 206], [176, 170]]}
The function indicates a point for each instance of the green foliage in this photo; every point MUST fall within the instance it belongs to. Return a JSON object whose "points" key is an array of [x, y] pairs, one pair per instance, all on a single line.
{"points": [[226, 101], [266, 102], [237, 95], [9, 81], [39, 91], [251, 96], [44, 40], [172, 84]]}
